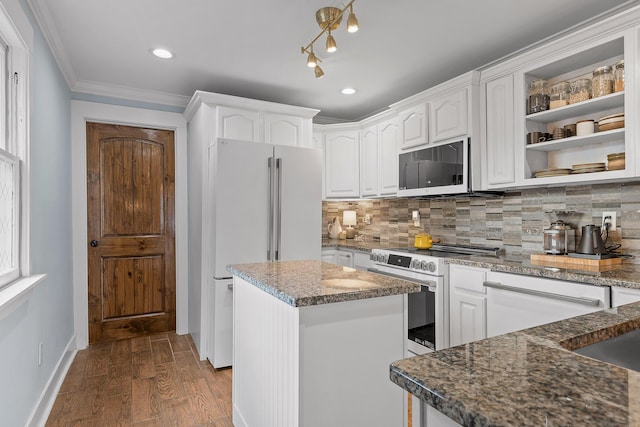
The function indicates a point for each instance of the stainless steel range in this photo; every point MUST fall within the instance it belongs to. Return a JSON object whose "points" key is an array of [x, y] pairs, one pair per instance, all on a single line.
{"points": [[428, 310]]}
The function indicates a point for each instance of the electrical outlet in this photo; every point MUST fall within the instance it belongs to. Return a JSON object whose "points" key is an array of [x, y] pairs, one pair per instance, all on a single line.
{"points": [[611, 218]]}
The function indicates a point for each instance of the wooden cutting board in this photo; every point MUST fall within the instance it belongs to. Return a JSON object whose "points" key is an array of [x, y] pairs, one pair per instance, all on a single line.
{"points": [[565, 261]]}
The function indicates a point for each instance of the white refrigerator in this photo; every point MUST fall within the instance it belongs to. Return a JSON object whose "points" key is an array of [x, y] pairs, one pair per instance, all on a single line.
{"points": [[266, 206]]}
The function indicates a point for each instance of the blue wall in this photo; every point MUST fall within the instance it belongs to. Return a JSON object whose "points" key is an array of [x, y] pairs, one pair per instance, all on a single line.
{"points": [[48, 316]]}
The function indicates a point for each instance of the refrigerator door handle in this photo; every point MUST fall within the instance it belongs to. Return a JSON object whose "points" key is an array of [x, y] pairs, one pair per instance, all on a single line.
{"points": [[271, 202], [279, 217]]}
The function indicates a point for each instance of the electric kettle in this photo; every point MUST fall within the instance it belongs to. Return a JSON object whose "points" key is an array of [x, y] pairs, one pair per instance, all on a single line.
{"points": [[591, 242]]}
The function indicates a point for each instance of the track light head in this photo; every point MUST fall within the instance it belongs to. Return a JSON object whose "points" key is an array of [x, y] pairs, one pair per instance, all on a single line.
{"points": [[352, 21], [331, 43], [312, 61], [318, 72]]}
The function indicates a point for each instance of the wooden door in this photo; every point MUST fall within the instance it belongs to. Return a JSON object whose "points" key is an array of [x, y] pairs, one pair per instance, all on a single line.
{"points": [[130, 186]]}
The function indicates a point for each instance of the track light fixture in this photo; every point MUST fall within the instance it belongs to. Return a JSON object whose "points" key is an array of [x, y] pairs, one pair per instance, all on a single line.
{"points": [[329, 18]]}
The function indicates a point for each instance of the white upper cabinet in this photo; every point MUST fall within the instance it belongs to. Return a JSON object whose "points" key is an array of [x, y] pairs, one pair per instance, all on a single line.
{"points": [[414, 125], [281, 129], [342, 164], [369, 161], [499, 132], [514, 161], [235, 123], [388, 157], [379, 159], [448, 116], [244, 119]]}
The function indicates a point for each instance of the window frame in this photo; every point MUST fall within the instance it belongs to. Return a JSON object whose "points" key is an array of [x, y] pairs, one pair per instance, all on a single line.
{"points": [[16, 35]]}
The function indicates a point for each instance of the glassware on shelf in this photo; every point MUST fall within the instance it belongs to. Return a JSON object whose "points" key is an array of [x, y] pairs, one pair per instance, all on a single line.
{"points": [[602, 81], [618, 76], [580, 90], [538, 96], [560, 93]]}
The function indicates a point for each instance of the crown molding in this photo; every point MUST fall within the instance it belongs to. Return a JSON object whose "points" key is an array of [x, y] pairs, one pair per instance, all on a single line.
{"points": [[130, 93], [50, 32]]}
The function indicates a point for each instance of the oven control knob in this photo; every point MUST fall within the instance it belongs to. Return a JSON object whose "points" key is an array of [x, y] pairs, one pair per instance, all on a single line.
{"points": [[373, 257], [424, 265], [431, 266], [385, 258], [415, 264]]}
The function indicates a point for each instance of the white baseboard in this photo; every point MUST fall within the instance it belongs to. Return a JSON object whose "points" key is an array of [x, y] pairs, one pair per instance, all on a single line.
{"points": [[43, 406]]}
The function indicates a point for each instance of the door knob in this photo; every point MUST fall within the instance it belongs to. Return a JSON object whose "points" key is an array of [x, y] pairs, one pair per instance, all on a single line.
{"points": [[94, 243]]}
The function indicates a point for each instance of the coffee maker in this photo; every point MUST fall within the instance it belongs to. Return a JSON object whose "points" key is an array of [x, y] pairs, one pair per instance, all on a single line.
{"points": [[559, 238]]}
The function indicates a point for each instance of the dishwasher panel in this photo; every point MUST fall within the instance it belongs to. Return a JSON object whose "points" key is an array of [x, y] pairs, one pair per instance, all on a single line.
{"points": [[517, 302]]}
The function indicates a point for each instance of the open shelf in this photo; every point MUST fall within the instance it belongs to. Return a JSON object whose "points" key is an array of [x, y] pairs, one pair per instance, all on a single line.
{"points": [[578, 141], [593, 105]]}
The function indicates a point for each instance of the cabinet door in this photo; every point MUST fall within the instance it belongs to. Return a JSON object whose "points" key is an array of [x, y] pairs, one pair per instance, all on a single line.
{"points": [[344, 258], [467, 304], [468, 317], [388, 157], [328, 255], [414, 126], [369, 162], [500, 131], [281, 129], [448, 116], [621, 296], [361, 261], [243, 125], [342, 164]]}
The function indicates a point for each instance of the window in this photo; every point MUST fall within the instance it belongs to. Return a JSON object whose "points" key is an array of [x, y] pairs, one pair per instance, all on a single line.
{"points": [[14, 59], [9, 217]]}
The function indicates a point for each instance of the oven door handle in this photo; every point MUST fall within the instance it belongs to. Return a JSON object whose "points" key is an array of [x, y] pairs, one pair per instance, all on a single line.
{"points": [[427, 283]]}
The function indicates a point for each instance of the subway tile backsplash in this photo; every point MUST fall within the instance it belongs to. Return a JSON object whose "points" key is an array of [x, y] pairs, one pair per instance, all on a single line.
{"points": [[514, 222]]}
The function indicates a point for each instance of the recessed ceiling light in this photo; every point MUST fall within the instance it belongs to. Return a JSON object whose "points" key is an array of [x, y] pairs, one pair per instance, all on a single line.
{"points": [[348, 91], [162, 53]]}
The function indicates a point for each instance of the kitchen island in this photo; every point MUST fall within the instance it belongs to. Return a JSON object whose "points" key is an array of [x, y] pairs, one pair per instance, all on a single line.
{"points": [[312, 345], [530, 377]]}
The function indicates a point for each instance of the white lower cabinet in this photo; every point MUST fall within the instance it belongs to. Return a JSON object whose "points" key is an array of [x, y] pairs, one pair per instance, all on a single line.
{"points": [[316, 366], [621, 296], [328, 255], [354, 259], [467, 304]]}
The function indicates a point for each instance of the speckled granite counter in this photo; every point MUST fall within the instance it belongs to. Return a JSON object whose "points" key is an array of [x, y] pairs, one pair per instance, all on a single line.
{"points": [[303, 283], [530, 377], [626, 276]]}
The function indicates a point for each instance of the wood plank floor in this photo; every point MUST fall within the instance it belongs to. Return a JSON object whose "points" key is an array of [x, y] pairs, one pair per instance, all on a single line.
{"points": [[156, 380]]}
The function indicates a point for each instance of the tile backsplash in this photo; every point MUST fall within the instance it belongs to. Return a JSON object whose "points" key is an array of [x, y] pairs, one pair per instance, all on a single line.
{"points": [[514, 221]]}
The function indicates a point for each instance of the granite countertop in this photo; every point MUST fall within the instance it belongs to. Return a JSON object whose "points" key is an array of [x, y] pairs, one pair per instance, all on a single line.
{"points": [[531, 377], [627, 275], [303, 283]]}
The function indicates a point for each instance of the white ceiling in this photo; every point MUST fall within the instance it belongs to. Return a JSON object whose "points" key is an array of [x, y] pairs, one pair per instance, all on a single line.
{"points": [[251, 48]]}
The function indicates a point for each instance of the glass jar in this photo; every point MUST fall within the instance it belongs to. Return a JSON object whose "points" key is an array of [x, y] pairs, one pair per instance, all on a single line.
{"points": [[580, 90], [602, 82], [618, 76], [538, 96], [559, 95]]}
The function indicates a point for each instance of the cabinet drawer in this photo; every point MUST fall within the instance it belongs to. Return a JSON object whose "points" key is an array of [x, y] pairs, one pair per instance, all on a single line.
{"points": [[467, 278]]}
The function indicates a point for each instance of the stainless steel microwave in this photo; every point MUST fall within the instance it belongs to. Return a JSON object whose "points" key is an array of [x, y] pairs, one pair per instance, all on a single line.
{"points": [[435, 170]]}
